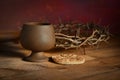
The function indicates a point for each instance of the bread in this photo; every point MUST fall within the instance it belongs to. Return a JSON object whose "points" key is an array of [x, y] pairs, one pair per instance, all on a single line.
{"points": [[68, 59]]}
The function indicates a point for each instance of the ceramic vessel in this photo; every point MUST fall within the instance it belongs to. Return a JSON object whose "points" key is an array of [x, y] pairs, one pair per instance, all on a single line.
{"points": [[37, 37]]}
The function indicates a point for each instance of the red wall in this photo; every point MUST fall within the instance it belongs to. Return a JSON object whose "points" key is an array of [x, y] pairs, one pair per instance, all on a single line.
{"points": [[13, 13]]}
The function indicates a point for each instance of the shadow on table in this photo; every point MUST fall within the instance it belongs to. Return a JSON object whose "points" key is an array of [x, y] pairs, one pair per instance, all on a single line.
{"points": [[13, 50]]}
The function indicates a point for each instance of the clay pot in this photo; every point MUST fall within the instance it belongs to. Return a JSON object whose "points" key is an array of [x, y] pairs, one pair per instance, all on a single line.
{"points": [[37, 37]]}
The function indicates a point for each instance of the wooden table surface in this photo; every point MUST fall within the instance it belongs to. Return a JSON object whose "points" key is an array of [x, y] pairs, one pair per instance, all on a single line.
{"points": [[101, 64]]}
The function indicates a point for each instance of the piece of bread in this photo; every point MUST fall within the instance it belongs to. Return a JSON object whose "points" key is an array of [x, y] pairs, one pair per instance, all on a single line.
{"points": [[68, 59]]}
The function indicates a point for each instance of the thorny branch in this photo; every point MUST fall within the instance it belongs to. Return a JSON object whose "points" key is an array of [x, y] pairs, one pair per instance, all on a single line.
{"points": [[77, 35]]}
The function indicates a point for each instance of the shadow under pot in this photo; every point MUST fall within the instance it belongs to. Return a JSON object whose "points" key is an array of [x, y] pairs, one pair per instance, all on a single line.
{"points": [[38, 38]]}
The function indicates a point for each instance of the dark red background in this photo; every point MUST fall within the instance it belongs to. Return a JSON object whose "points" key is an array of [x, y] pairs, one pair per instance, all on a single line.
{"points": [[13, 13]]}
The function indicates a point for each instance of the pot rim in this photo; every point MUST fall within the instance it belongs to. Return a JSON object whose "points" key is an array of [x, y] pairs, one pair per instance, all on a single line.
{"points": [[37, 23]]}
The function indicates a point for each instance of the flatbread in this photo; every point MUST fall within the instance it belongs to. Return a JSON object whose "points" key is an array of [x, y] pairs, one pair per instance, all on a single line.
{"points": [[68, 59]]}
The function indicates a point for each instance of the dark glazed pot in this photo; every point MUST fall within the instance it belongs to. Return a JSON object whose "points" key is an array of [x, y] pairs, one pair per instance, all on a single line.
{"points": [[37, 37]]}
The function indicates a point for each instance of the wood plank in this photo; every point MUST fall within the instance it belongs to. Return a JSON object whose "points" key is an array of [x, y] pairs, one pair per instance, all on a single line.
{"points": [[113, 75]]}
